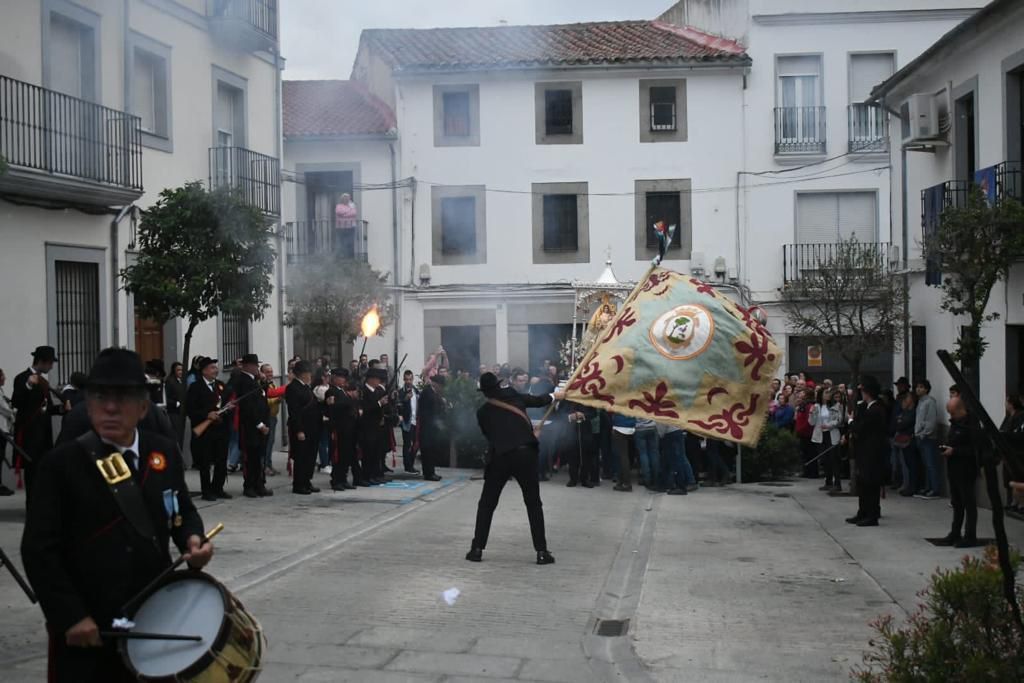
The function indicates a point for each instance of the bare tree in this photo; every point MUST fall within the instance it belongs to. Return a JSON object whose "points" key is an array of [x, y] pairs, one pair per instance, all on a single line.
{"points": [[844, 298]]}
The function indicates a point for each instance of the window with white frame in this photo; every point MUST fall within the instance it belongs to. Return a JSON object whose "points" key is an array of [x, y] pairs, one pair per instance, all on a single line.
{"points": [[829, 217], [150, 90], [800, 115]]}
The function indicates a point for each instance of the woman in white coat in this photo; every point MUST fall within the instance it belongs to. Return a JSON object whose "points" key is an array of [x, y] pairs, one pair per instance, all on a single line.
{"points": [[826, 416]]}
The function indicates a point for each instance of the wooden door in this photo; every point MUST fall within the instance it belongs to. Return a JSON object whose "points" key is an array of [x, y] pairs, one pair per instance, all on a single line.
{"points": [[149, 339]]}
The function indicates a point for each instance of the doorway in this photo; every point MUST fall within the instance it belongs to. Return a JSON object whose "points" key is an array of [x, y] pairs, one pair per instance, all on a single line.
{"points": [[149, 338], [462, 342]]}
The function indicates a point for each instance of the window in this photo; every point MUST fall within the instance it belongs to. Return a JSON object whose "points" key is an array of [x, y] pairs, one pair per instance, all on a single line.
{"points": [[457, 115], [230, 95], [668, 201], [458, 232], [868, 124], [77, 289], [561, 232], [663, 108], [234, 338], [663, 206], [150, 90], [559, 112], [828, 217], [70, 50], [458, 225], [561, 219], [799, 116], [868, 70]]}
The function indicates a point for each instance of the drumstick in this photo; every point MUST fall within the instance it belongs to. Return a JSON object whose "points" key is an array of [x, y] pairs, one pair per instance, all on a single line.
{"points": [[140, 635], [165, 573]]}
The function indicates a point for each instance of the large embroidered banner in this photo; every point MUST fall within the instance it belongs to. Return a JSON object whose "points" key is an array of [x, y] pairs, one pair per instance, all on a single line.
{"points": [[682, 353]]}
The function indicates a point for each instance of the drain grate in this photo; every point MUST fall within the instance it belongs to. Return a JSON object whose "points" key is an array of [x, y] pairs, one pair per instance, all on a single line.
{"points": [[611, 628]]}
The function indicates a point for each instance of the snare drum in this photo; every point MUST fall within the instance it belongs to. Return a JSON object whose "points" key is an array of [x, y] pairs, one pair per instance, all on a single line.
{"points": [[194, 603]]}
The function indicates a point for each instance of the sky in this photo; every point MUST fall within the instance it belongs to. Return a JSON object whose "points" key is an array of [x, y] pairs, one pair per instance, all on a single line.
{"points": [[320, 37]]}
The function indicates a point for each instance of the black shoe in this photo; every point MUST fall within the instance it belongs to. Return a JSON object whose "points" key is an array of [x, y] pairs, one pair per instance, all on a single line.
{"points": [[544, 557], [301, 491], [210, 497], [587, 485], [313, 489], [339, 487], [854, 520], [4, 491], [264, 492], [250, 493], [870, 521], [622, 487], [433, 477], [475, 555], [412, 471], [571, 484], [223, 495]]}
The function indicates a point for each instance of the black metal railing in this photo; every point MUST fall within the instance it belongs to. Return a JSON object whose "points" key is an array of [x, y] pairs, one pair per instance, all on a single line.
{"points": [[1009, 177], [868, 128], [344, 239], [48, 131], [257, 177], [260, 14], [800, 130], [803, 261]]}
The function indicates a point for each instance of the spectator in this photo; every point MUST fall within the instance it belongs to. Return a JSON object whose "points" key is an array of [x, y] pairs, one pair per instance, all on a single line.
{"points": [[783, 415], [646, 439], [174, 390], [870, 444], [623, 429], [408, 398], [895, 460], [677, 472], [275, 395], [1013, 428], [520, 380], [954, 391], [6, 420], [804, 431], [926, 427], [717, 471], [963, 472], [903, 444], [825, 419]]}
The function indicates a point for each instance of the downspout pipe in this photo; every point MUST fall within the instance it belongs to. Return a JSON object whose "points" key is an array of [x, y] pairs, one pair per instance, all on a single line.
{"points": [[282, 351], [395, 247], [115, 273]]}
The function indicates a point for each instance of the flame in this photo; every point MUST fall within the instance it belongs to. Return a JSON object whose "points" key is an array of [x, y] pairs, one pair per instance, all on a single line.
{"points": [[371, 322]]}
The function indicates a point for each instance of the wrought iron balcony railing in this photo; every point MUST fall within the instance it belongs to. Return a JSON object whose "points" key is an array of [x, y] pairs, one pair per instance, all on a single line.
{"points": [[868, 128], [808, 261], [256, 176], [341, 238], [247, 24], [800, 130], [61, 147]]}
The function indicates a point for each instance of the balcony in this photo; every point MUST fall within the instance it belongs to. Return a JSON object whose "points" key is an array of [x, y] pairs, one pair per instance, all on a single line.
{"points": [[246, 25], [65, 150], [803, 262], [310, 240], [257, 177], [868, 128], [799, 130], [1002, 181]]}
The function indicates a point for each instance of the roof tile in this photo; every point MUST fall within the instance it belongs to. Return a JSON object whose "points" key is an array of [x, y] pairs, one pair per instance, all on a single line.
{"points": [[333, 107]]}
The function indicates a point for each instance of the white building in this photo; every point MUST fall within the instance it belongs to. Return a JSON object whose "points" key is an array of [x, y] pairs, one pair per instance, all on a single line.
{"points": [[103, 103], [965, 93]]}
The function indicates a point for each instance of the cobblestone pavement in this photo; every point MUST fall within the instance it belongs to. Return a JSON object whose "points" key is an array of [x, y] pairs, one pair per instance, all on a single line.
{"points": [[743, 583]]}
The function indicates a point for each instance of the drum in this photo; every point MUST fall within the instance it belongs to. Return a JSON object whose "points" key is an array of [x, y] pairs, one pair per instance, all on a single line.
{"points": [[194, 603]]}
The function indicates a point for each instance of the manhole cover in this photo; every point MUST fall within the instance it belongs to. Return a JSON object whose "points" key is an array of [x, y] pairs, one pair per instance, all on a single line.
{"points": [[611, 627]]}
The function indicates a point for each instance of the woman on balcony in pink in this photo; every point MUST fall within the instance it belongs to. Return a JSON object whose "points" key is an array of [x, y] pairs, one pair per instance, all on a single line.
{"points": [[346, 213]]}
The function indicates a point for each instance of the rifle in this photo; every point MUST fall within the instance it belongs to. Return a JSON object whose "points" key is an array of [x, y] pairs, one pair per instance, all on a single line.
{"points": [[201, 428]]}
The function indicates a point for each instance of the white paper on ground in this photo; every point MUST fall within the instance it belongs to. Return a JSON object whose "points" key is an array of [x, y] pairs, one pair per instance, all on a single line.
{"points": [[451, 595]]}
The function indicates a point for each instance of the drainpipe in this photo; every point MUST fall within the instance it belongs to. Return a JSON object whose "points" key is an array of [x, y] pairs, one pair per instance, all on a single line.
{"points": [[281, 259], [115, 273], [395, 245], [906, 275], [412, 235]]}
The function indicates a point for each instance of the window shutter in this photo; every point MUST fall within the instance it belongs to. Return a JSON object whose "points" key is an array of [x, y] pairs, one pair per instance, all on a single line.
{"points": [[857, 216], [817, 217], [867, 71]]}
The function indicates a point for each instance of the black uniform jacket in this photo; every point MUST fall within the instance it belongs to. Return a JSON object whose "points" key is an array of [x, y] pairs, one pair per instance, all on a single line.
{"points": [[505, 430], [959, 438], [371, 422], [81, 555], [304, 413], [253, 409], [871, 443], [343, 414], [174, 391], [200, 401], [430, 412], [33, 429]]}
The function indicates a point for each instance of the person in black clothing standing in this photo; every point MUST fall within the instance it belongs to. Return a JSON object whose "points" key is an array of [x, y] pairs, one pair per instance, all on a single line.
{"points": [[433, 431], [579, 446], [210, 449], [371, 426], [962, 469], [342, 412], [253, 415], [870, 446], [408, 412], [305, 419], [174, 391], [30, 397], [512, 453]]}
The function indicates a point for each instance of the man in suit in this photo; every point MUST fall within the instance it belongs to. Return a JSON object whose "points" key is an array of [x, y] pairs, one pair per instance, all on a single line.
{"points": [[433, 430], [342, 412], [33, 429], [371, 426], [870, 446], [93, 540], [205, 397], [253, 415], [408, 397], [305, 419]]}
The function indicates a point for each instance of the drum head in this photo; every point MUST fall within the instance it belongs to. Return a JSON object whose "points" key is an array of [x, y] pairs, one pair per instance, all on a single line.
{"points": [[187, 606]]}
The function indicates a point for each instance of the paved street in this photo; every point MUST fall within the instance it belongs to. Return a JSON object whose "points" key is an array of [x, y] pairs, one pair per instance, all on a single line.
{"points": [[744, 583]]}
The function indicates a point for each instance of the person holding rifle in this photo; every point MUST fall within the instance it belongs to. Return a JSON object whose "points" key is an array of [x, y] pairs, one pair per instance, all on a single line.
{"points": [[372, 429], [248, 394], [433, 431], [342, 411], [305, 420], [33, 429], [204, 400]]}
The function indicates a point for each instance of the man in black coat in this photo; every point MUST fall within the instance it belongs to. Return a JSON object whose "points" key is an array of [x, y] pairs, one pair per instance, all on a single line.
{"points": [[512, 453], [342, 412], [76, 423], [962, 469], [373, 440], [430, 418], [870, 446], [253, 415], [91, 543], [305, 420], [33, 429], [204, 399]]}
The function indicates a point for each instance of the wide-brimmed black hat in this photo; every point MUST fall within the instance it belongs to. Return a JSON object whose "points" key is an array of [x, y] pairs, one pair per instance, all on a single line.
{"points": [[377, 373], [869, 383], [340, 372], [250, 359], [302, 367], [489, 383], [206, 361], [116, 368], [45, 354]]}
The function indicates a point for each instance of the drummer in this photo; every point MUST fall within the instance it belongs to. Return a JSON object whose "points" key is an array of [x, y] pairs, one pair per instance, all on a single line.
{"points": [[103, 509]]}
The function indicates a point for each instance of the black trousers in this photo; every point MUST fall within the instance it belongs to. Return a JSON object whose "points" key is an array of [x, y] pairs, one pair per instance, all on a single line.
{"points": [[86, 664], [581, 456], [430, 454], [343, 458], [372, 453], [809, 450], [963, 472], [869, 497], [304, 459], [409, 449], [253, 446], [210, 451], [830, 460], [521, 464]]}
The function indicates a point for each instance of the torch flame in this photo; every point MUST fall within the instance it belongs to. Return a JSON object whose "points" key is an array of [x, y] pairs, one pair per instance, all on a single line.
{"points": [[371, 322]]}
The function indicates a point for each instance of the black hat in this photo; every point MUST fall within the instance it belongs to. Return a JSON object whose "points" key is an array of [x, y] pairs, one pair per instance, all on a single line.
{"points": [[250, 359], [902, 380], [870, 384], [302, 367], [156, 367], [339, 372], [489, 383], [205, 362], [45, 353], [379, 373], [116, 368], [439, 380]]}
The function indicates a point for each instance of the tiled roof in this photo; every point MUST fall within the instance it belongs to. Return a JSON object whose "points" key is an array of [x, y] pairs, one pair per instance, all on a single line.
{"points": [[601, 43], [330, 108]]}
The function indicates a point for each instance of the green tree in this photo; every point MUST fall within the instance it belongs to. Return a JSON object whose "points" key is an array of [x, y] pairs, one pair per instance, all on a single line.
{"points": [[974, 247], [327, 298], [848, 301], [201, 254]]}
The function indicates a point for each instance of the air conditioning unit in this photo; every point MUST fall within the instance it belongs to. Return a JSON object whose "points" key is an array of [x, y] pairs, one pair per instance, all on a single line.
{"points": [[919, 115]]}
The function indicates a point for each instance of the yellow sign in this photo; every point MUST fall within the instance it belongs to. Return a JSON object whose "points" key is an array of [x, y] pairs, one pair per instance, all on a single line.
{"points": [[814, 357]]}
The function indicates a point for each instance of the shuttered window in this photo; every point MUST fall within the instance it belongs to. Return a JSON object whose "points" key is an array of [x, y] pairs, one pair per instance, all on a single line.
{"points": [[827, 217], [234, 333], [77, 288], [867, 71]]}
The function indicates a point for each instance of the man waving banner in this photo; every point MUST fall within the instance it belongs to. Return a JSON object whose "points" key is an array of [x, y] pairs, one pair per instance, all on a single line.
{"points": [[682, 353]]}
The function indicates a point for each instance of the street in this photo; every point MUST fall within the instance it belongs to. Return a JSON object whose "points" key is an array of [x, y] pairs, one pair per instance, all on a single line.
{"points": [[748, 582]]}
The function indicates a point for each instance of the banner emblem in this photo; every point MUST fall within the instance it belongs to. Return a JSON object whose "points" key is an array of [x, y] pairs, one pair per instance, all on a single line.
{"points": [[683, 333]]}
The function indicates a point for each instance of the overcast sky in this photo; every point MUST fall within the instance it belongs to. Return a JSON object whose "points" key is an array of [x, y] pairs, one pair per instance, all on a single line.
{"points": [[319, 37]]}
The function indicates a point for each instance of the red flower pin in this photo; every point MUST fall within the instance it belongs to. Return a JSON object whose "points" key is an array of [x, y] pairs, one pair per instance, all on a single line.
{"points": [[157, 461]]}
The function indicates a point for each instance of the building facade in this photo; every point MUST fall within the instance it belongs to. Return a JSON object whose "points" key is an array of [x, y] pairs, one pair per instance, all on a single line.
{"points": [[104, 103]]}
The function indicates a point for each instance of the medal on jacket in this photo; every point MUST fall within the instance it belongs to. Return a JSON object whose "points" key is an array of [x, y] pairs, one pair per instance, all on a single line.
{"points": [[172, 509]]}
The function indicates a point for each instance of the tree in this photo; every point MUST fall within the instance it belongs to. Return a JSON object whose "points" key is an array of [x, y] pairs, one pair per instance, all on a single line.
{"points": [[847, 301], [201, 254], [328, 297], [974, 247]]}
